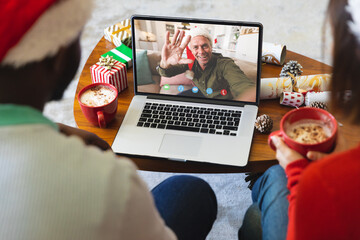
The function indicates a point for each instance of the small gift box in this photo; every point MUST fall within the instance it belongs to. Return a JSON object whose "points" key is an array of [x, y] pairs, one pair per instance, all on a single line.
{"points": [[119, 33], [108, 70], [273, 87], [122, 54], [292, 99], [316, 83]]}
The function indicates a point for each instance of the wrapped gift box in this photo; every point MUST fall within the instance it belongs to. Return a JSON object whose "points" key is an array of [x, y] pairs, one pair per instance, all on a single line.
{"points": [[115, 74], [119, 33], [122, 54]]}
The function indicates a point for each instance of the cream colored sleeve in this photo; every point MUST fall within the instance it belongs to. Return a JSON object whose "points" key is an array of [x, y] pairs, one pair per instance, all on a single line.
{"points": [[141, 220]]}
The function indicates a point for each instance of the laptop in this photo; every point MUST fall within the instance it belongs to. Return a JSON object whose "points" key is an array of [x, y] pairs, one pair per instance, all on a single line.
{"points": [[197, 85]]}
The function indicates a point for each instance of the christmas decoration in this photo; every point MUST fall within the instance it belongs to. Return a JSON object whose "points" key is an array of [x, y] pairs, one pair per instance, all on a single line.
{"points": [[292, 99], [108, 70], [315, 83], [321, 105], [323, 97], [292, 67], [119, 33], [264, 123], [273, 53], [271, 88], [122, 54], [107, 62]]}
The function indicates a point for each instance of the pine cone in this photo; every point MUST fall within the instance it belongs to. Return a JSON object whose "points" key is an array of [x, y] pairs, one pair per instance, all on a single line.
{"points": [[264, 123], [292, 67], [321, 105]]}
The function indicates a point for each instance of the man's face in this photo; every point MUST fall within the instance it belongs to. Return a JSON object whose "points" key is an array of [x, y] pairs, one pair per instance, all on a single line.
{"points": [[201, 49]]}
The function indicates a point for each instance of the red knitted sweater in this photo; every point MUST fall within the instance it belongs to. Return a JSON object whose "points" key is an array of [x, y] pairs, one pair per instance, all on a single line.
{"points": [[325, 197]]}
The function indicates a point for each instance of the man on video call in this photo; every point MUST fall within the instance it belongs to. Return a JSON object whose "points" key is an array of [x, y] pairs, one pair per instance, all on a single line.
{"points": [[215, 76]]}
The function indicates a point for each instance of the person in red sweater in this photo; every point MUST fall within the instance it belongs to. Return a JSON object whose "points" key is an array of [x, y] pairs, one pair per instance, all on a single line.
{"points": [[317, 196]]}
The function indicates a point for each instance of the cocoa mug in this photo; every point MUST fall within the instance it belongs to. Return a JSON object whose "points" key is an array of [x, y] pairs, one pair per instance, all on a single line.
{"points": [[98, 102], [307, 129]]}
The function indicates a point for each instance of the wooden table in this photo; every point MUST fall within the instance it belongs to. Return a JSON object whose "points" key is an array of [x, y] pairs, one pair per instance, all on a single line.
{"points": [[261, 156]]}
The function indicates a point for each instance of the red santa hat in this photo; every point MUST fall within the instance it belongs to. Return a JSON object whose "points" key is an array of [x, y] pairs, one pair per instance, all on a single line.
{"points": [[33, 30]]}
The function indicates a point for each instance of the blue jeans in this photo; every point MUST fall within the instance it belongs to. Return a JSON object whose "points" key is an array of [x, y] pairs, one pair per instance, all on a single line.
{"points": [[188, 206], [267, 217]]}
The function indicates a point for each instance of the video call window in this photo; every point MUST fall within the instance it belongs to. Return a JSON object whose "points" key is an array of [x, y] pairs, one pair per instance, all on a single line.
{"points": [[225, 69]]}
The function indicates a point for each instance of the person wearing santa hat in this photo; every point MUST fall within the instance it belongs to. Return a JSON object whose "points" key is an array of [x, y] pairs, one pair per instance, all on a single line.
{"points": [[214, 75], [59, 182]]}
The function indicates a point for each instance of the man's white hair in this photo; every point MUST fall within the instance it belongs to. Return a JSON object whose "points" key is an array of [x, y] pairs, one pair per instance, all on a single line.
{"points": [[199, 31]]}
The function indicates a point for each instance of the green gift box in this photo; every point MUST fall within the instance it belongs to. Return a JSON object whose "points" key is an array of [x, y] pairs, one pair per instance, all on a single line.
{"points": [[122, 54]]}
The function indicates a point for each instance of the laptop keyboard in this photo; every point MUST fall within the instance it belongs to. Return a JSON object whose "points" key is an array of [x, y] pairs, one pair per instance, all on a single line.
{"points": [[188, 118]]}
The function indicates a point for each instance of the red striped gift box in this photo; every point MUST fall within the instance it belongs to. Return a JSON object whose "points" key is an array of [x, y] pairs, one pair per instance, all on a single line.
{"points": [[116, 76]]}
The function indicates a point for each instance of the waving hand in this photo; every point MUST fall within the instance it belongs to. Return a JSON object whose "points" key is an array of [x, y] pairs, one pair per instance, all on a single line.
{"points": [[172, 51]]}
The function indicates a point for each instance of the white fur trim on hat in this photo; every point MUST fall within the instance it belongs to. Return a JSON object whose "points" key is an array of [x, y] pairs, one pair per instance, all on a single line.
{"points": [[56, 28], [199, 31]]}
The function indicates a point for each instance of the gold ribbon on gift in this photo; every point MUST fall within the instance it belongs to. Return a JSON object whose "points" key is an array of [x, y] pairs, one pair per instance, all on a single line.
{"points": [[124, 27], [107, 62]]}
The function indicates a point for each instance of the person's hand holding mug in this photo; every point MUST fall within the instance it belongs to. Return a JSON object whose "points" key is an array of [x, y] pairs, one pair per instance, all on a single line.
{"points": [[284, 154], [340, 145], [172, 51], [304, 131]]}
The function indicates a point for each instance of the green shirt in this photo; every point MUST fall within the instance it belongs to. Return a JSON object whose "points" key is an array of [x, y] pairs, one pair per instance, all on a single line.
{"points": [[221, 73], [11, 114]]}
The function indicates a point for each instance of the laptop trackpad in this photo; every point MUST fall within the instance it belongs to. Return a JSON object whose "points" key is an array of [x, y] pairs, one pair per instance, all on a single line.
{"points": [[180, 145]]}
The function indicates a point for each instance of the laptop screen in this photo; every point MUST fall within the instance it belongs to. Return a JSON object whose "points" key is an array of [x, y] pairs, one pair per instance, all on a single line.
{"points": [[197, 59]]}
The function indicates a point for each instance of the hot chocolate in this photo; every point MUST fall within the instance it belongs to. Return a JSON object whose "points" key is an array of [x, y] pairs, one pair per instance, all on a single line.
{"points": [[98, 96], [308, 131]]}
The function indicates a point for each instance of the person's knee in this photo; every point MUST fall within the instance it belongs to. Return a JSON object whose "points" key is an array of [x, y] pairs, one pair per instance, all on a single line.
{"points": [[192, 184], [251, 227], [197, 188], [275, 173], [273, 182], [187, 204], [196, 196]]}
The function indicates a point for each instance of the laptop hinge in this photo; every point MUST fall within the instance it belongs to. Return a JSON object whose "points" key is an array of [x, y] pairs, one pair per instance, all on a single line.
{"points": [[200, 100]]}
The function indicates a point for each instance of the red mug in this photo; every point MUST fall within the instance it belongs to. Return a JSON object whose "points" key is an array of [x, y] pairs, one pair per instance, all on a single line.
{"points": [[99, 115], [305, 113]]}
